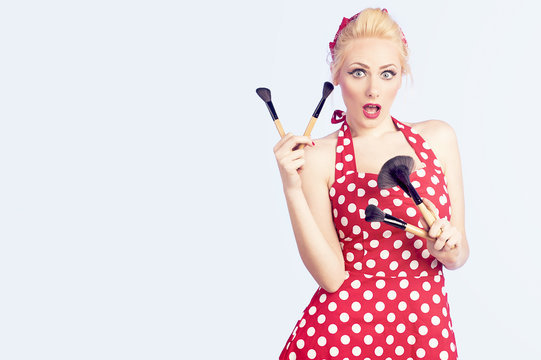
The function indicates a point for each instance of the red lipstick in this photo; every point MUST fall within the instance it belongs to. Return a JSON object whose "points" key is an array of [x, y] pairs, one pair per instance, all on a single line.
{"points": [[371, 111]]}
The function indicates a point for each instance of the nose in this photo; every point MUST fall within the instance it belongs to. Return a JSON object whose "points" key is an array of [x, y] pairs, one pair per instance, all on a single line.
{"points": [[372, 91]]}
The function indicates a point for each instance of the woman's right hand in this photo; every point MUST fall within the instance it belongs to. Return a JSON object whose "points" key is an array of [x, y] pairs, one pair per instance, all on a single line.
{"points": [[290, 159]]}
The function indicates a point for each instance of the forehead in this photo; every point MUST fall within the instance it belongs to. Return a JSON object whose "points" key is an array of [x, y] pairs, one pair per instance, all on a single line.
{"points": [[373, 52]]}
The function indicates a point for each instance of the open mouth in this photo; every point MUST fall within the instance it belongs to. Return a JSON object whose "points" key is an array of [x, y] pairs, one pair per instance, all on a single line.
{"points": [[371, 111]]}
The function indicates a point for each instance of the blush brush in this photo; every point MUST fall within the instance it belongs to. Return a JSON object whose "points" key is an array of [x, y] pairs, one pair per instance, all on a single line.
{"points": [[265, 95], [327, 90], [396, 171], [374, 214]]}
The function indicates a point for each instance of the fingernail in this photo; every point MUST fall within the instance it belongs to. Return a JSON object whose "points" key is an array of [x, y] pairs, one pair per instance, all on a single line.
{"points": [[313, 143]]}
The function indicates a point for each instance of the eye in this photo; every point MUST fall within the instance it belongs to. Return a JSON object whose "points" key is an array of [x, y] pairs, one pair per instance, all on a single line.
{"points": [[388, 74], [357, 73]]}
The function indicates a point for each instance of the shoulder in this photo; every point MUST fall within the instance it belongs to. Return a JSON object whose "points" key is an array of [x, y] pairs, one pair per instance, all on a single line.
{"points": [[441, 137]]}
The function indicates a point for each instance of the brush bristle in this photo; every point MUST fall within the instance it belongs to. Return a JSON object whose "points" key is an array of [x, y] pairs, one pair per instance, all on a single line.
{"points": [[393, 170], [327, 89], [264, 94], [373, 213]]}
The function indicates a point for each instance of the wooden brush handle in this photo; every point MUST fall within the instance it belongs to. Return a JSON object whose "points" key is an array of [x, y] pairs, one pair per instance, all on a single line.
{"points": [[278, 125], [308, 130], [420, 232], [427, 214]]}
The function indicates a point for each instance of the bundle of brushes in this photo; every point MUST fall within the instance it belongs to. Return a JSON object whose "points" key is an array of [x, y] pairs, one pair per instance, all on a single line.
{"points": [[265, 95]]}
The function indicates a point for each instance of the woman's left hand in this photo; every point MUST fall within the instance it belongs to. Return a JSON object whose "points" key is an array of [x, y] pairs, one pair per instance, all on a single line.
{"points": [[449, 238]]}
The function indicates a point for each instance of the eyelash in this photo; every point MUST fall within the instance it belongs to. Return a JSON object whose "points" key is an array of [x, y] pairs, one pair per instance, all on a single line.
{"points": [[393, 73]]}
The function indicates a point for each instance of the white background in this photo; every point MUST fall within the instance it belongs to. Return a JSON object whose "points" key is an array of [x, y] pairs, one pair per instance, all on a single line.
{"points": [[141, 208]]}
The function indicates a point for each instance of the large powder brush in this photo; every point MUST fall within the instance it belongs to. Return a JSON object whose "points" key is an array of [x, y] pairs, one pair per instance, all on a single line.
{"points": [[265, 95], [396, 171]]}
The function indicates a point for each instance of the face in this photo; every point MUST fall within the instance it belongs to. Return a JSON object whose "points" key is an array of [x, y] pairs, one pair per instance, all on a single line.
{"points": [[370, 78]]}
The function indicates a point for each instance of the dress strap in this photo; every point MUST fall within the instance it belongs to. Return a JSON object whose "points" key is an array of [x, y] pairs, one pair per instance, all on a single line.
{"points": [[345, 154], [419, 144]]}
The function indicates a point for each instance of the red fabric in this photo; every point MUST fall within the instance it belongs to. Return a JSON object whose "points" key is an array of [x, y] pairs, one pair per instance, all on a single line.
{"points": [[393, 303]]}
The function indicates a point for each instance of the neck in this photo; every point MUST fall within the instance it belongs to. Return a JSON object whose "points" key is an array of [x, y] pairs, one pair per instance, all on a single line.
{"points": [[371, 128]]}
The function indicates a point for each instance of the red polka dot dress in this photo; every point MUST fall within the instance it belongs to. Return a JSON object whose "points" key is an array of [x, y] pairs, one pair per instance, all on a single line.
{"points": [[393, 303]]}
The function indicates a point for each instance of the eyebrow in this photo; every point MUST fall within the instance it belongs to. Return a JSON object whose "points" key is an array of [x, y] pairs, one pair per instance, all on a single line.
{"points": [[368, 67]]}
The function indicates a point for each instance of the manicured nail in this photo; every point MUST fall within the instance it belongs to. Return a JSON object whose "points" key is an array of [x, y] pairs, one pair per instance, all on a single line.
{"points": [[313, 143]]}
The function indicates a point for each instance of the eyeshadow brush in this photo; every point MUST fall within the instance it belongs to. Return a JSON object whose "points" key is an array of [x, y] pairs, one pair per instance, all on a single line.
{"points": [[265, 95]]}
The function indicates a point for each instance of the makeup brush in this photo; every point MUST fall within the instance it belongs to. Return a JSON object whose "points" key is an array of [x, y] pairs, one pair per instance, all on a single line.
{"points": [[327, 90], [265, 95], [375, 214], [396, 171]]}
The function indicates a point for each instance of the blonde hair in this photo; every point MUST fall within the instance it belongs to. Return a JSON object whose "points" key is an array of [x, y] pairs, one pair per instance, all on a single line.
{"points": [[374, 23]]}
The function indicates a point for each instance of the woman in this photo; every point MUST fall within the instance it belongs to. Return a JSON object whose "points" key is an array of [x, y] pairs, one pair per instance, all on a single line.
{"points": [[381, 291]]}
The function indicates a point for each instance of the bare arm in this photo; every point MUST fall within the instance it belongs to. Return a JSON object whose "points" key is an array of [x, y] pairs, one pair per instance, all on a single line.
{"points": [[310, 211], [443, 140]]}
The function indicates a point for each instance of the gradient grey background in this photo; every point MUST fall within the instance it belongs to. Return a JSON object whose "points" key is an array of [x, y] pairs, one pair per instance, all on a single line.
{"points": [[141, 208]]}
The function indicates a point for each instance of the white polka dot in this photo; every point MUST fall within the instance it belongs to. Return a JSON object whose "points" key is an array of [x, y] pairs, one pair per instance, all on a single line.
{"points": [[344, 317], [368, 339], [339, 149], [332, 191], [321, 341], [341, 199], [339, 166], [341, 179], [404, 283], [426, 286], [389, 340], [406, 254], [394, 265], [412, 139], [380, 306], [344, 221], [424, 155], [373, 201], [387, 234], [358, 246], [311, 331], [437, 163], [360, 192], [414, 265], [343, 295], [348, 157], [300, 343], [368, 317], [430, 190], [379, 328], [332, 306], [333, 351], [400, 328], [437, 279], [397, 244], [444, 355], [350, 257], [356, 328], [418, 244], [412, 317], [356, 306], [373, 183], [425, 254], [375, 225], [391, 317], [333, 328], [436, 299], [321, 319], [411, 339], [312, 310], [445, 333], [368, 295], [384, 254], [397, 202], [347, 141], [371, 263], [362, 214], [433, 343], [340, 133], [355, 284], [444, 311], [351, 187], [421, 353], [399, 350], [292, 356], [402, 306], [335, 212], [356, 229], [358, 266], [423, 330], [356, 351], [385, 192], [435, 320], [434, 263], [380, 284], [374, 243], [303, 322], [391, 295], [322, 298], [410, 211], [352, 208], [421, 172], [443, 199], [362, 175], [435, 180], [410, 235], [425, 308], [345, 339], [416, 184], [378, 351]]}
